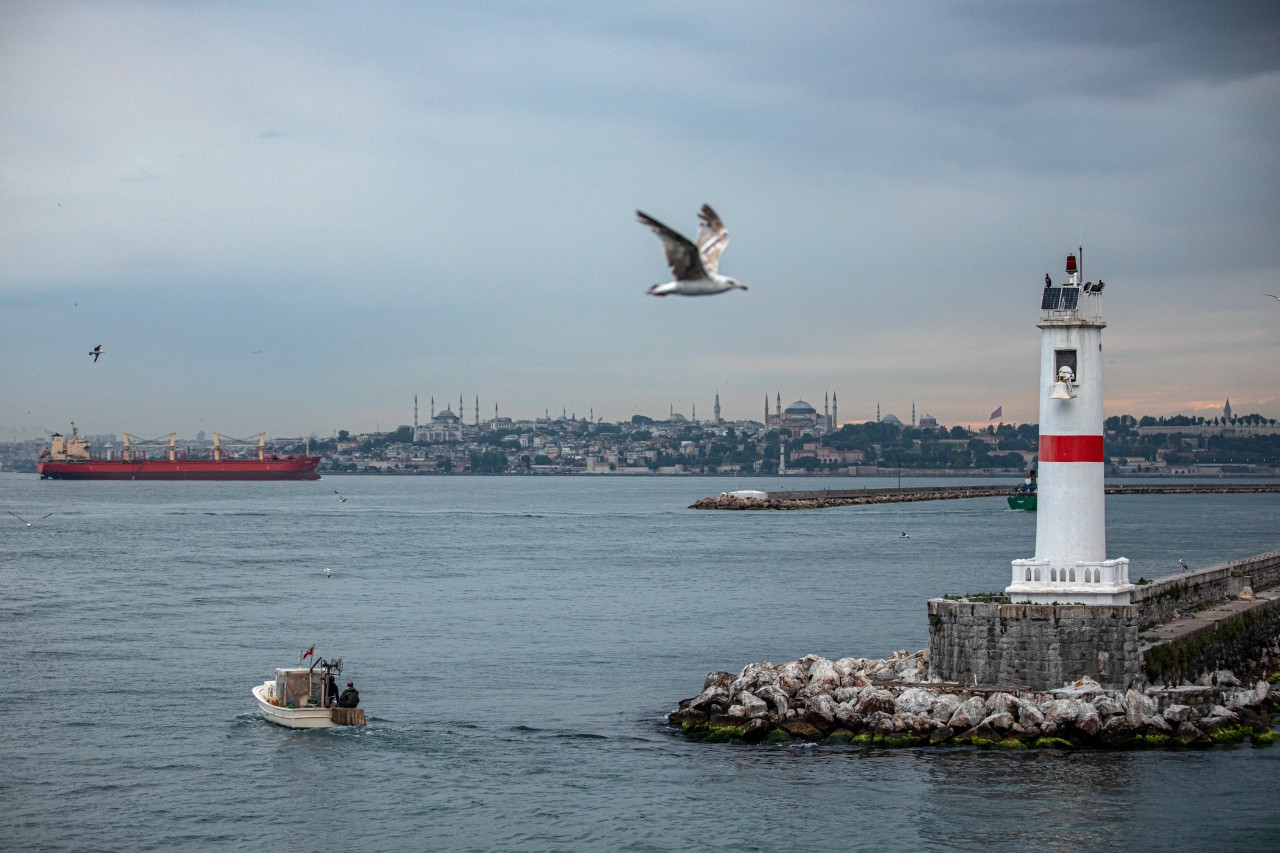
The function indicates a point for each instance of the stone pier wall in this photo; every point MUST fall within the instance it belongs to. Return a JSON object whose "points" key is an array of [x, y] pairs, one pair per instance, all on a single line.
{"points": [[1040, 646], [1043, 646], [1231, 642], [1165, 598]]}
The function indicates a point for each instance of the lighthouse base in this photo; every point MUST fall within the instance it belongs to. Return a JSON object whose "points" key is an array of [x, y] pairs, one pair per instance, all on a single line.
{"points": [[1049, 582], [1040, 646]]}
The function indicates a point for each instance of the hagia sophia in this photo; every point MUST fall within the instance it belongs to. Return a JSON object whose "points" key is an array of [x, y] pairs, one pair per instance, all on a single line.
{"points": [[802, 416]]}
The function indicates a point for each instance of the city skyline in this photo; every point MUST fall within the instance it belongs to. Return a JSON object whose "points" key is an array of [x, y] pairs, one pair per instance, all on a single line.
{"points": [[293, 217]]}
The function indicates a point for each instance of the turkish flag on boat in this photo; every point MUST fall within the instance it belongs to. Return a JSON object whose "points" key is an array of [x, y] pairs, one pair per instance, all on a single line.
{"points": [[306, 654]]}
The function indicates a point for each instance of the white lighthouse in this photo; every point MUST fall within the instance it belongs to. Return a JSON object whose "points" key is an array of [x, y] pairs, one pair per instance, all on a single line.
{"points": [[1071, 565]]}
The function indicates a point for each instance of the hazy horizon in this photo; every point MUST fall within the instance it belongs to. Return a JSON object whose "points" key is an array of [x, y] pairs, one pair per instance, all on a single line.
{"points": [[294, 217]]}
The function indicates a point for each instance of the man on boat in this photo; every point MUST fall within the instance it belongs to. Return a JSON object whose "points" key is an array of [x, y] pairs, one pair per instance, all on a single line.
{"points": [[350, 697], [332, 691]]}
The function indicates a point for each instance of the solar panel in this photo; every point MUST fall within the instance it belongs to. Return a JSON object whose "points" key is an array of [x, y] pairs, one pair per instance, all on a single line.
{"points": [[1060, 299]]}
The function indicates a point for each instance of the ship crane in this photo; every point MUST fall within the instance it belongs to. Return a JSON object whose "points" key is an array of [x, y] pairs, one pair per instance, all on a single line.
{"points": [[131, 443], [261, 445]]}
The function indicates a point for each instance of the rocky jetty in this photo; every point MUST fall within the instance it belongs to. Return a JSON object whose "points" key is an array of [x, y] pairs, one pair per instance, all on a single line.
{"points": [[809, 501], [891, 702], [857, 497]]}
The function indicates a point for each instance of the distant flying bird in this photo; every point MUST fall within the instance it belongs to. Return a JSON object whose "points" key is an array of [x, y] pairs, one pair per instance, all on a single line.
{"points": [[341, 499], [1272, 295], [24, 521], [904, 535], [96, 351], [328, 573], [1183, 563], [693, 267]]}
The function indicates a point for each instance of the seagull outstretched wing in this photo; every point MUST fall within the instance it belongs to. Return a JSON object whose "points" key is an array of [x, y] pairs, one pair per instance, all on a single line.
{"points": [[682, 255], [712, 238], [24, 521]]}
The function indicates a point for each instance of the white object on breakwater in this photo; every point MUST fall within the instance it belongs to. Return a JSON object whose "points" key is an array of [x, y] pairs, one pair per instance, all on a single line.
{"points": [[753, 494]]}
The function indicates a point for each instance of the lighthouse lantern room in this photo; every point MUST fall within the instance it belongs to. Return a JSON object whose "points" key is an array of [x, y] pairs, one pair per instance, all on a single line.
{"points": [[1070, 565]]}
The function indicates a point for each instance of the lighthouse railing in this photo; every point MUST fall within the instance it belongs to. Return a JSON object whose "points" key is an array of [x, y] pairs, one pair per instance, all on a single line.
{"points": [[1070, 303], [1050, 575]]}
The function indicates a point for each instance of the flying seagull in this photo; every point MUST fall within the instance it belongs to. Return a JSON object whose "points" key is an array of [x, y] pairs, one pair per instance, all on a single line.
{"points": [[96, 351], [24, 521], [904, 535], [328, 573], [1272, 295], [341, 499], [693, 267]]}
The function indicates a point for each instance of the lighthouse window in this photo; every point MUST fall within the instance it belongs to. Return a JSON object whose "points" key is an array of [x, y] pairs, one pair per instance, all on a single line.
{"points": [[1066, 358]]}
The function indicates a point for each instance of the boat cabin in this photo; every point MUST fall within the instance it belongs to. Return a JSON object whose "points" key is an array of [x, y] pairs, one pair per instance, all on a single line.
{"points": [[303, 687]]}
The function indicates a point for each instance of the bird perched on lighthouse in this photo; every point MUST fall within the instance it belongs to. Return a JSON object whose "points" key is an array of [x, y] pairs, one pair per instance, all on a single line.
{"points": [[693, 266]]}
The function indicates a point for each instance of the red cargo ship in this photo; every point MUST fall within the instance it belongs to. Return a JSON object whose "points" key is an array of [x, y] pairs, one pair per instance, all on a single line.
{"points": [[70, 459]]}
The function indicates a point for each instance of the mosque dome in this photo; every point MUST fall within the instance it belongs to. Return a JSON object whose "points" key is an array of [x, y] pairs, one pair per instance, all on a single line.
{"points": [[800, 407], [891, 419]]}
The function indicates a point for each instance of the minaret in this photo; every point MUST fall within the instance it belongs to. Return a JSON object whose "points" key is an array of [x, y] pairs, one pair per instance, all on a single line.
{"points": [[477, 410], [877, 411], [495, 415], [1226, 412], [913, 414], [835, 418], [693, 412], [1071, 565], [717, 408], [766, 410], [777, 412], [415, 413], [433, 406]]}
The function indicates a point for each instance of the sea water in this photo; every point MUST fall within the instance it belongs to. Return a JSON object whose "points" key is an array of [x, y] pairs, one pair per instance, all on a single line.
{"points": [[517, 643]]}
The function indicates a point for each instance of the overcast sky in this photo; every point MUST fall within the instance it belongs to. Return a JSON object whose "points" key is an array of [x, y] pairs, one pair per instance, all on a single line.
{"points": [[293, 217]]}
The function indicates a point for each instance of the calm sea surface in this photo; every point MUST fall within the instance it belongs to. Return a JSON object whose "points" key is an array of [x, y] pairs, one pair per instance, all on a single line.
{"points": [[517, 643]]}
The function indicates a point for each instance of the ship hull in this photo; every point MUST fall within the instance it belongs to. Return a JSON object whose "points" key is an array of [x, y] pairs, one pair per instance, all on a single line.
{"points": [[300, 468], [1027, 502]]}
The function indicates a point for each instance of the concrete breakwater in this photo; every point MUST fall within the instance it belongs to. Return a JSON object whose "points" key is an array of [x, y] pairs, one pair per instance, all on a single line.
{"points": [[890, 702], [822, 499]]}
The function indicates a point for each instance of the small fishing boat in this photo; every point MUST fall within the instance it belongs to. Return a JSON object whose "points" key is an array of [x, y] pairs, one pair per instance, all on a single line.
{"points": [[305, 697], [1024, 496]]}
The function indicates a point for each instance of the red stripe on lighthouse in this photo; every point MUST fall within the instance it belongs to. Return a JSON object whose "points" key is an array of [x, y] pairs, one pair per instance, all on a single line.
{"points": [[1071, 448]]}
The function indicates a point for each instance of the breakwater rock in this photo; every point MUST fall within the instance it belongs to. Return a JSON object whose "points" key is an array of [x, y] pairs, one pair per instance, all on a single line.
{"points": [[809, 500], [890, 702], [855, 497]]}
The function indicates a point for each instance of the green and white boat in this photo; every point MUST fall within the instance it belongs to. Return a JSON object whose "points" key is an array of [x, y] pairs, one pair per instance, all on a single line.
{"points": [[1024, 496]]}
